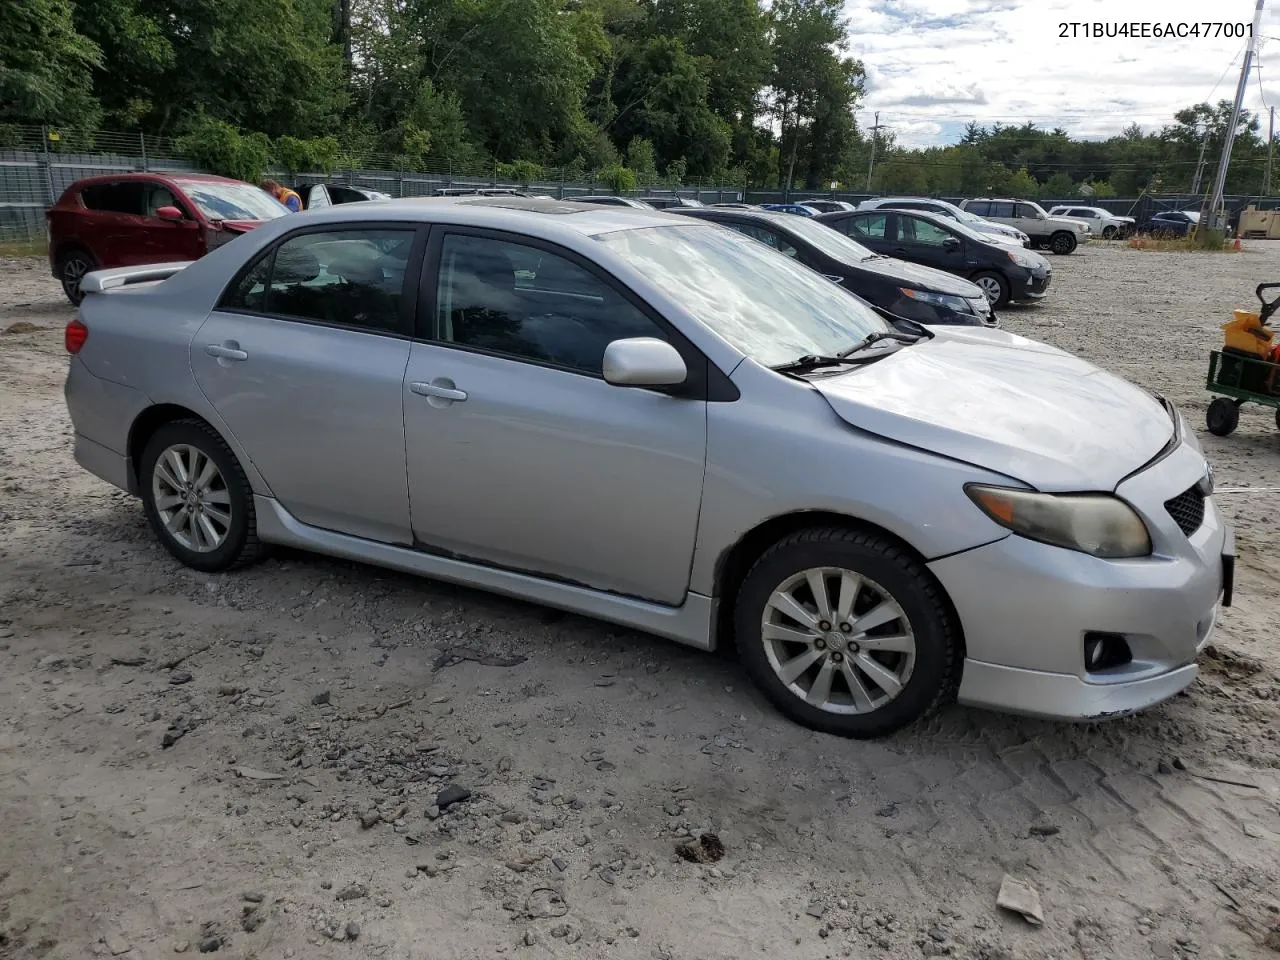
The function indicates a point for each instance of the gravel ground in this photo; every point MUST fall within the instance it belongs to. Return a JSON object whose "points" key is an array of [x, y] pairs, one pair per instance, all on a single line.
{"points": [[263, 762]]}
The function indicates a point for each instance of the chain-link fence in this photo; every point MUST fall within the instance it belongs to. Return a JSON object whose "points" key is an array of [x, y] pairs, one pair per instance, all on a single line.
{"points": [[37, 164]]}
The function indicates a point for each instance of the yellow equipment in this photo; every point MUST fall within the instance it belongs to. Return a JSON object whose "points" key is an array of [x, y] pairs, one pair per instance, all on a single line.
{"points": [[1248, 333]]}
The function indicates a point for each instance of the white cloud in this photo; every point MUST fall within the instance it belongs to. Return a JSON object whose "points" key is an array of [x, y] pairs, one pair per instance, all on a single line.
{"points": [[934, 65]]}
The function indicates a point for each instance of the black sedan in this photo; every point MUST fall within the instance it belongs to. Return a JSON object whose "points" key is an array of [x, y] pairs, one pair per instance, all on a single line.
{"points": [[902, 289], [1003, 271]]}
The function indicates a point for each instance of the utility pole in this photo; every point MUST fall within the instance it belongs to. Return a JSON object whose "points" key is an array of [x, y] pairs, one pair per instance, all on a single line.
{"points": [[1220, 181], [1195, 184], [871, 168], [1271, 140]]}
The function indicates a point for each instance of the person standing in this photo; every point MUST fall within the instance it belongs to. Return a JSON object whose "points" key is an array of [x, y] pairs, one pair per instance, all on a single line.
{"points": [[283, 194]]}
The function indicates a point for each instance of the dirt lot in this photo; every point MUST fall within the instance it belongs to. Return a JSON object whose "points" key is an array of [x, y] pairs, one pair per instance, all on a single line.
{"points": [[252, 762]]}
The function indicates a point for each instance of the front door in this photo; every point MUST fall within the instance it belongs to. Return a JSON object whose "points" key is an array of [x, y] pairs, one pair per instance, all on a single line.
{"points": [[519, 453], [163, 241], [927, 243], [304, 361]]}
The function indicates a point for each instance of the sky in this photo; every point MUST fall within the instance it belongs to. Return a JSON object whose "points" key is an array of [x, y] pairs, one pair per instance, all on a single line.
{"points": [[934, 65]]}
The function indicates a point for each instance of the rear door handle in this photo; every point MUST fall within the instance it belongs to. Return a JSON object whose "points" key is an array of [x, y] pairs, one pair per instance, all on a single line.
{"points": [[439, 391], [224, 351]]}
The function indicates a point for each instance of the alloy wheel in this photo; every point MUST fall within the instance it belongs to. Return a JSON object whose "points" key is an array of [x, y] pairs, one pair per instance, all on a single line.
{"points": [[990, 287], [73, 271], [838, 640], [191, 498]]}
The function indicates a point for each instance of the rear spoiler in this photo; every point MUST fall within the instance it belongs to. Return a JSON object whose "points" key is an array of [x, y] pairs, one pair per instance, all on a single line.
{"points": [[102, 281]]}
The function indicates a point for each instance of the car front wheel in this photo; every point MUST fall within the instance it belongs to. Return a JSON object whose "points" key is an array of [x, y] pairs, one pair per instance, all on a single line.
{"points": [[993, 286], [846, 633], [197, 497], [1109, 233], [1062, 243]]}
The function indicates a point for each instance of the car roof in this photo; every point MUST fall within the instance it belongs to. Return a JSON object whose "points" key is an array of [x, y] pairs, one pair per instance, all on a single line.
{"points": [[776, 217], [152, 176], [536, 216]]}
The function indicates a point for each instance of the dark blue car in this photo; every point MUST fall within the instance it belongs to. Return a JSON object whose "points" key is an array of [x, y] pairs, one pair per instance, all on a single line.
{"points": [[1171, 223]]}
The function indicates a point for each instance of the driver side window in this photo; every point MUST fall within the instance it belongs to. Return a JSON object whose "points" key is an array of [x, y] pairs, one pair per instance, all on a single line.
{"points": [[530, 304]]}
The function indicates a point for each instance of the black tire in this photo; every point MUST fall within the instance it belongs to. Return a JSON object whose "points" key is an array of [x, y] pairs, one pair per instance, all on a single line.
{"points": [[1109, 233], [72, 266], [1223, 416], [1063, 243], [935, 674], [241, 545], [1278, 418], [988, 277]]}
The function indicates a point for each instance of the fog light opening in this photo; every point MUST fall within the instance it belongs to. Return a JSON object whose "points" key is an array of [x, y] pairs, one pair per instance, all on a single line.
{"points": [[1103, 651]]}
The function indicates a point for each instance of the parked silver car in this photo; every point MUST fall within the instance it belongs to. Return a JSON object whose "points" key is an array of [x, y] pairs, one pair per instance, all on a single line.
{"points": [[668, 425]]}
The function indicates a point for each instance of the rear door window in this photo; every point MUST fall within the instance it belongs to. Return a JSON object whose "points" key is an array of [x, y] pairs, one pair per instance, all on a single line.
{"points": [[126, 197], [874, 227], [1000, 210], [979, 208]]}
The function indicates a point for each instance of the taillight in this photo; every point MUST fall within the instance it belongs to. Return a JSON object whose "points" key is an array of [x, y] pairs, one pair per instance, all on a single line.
{"points": [[75, 336]]}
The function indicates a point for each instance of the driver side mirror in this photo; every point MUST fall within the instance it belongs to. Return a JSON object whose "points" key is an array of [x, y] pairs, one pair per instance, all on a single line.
{"points": [[643, 362], [951, 244], [169, 213]]}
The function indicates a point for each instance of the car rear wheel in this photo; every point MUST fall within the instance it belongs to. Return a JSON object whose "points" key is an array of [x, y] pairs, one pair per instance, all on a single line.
{"points": [[993, 286], [846, 633], [1223, 416], [197, 497], [72, 266], [1062, 243], [1109, 233]]}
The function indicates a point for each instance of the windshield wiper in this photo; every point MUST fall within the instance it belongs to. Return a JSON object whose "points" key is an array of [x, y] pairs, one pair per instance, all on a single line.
{"points": [[814, 361]]}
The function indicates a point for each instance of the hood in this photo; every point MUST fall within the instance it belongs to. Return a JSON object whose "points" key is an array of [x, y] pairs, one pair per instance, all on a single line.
{"points": [[913, 275], [1012, 405], [1074, 223]]}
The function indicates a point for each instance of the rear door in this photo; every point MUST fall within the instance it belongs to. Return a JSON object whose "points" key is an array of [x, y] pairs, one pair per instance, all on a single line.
{"points": [[113, 226], [873, 230], [304, 362], [1002, 212]]}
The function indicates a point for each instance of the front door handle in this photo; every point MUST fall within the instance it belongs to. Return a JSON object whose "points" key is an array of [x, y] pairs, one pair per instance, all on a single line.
{"points": [[226, 351], [439, 389]]}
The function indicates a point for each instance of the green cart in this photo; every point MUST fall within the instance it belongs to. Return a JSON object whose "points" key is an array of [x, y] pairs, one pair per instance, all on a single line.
{"points": [[1239, 378]]}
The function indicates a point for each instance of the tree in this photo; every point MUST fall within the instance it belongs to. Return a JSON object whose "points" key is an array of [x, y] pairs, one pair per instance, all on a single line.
{"points": [[46, 66], [813, 88], [1060, 186]]}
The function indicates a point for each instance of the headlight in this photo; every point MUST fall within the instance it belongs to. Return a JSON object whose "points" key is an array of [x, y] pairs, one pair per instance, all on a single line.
{"points": [[959, 304], [1097, 524], [1021, 259]]}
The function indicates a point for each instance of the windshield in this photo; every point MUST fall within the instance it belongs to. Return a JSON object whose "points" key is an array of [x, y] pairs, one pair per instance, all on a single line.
{"points": [[232, 201], [764, 303], [964, 231], [831, 242]]}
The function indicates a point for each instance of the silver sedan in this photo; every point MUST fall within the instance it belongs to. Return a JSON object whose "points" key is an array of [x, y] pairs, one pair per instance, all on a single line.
{"points": [[668, 425]]}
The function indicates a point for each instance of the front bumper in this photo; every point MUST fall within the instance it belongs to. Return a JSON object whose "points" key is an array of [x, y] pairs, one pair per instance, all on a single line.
{"points": [[1031, 286], [1025, 608]]}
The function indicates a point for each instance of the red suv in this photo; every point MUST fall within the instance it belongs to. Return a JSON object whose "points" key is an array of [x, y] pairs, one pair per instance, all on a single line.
{"points": [[137, 218]]}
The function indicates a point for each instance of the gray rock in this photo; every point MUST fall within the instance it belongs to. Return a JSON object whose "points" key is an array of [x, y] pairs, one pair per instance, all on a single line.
{"points": [[817, 909], [938, 935], [252, 896], [561, 863], [530, 937], [888, 810], [116, 945], [353, 930], [179, 677], [452, 794], [672, 809], [1163, 767], [353, 891], [321, 698], [369, 819], [209, 944]]}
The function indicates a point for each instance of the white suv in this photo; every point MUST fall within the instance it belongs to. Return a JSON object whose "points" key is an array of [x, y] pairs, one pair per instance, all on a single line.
{"points": [[1103, 223], [1060, 234]]}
